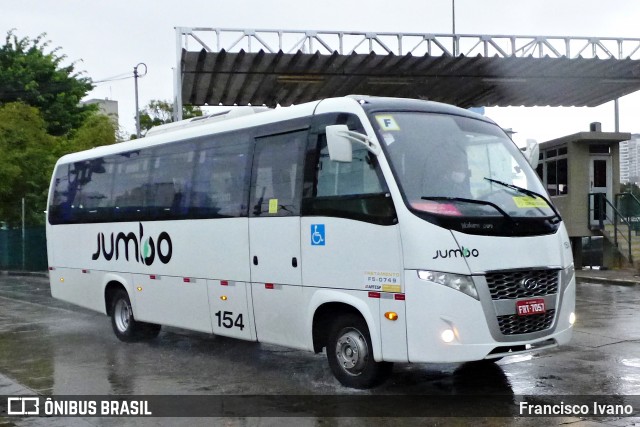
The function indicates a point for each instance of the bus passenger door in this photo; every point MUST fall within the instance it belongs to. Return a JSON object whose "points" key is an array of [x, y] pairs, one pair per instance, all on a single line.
{"points": [[274, 237]]}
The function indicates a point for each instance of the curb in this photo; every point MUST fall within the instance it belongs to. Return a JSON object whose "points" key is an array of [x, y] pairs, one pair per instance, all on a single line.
{"points": [[607, 281], [25, 273]]}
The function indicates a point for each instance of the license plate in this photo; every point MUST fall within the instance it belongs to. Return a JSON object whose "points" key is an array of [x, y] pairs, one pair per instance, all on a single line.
{"points": [[530, 306]]}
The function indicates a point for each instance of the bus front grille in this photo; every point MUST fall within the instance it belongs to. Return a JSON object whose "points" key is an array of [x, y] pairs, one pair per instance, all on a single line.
{"points": [[522, 283], [513, 324]]}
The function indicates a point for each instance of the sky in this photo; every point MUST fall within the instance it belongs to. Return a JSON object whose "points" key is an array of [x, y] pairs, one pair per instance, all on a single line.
{"points": [[106, 39]]}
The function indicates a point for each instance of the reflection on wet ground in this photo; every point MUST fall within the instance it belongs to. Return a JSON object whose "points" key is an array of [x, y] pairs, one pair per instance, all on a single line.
{"points": [[54, 348]]}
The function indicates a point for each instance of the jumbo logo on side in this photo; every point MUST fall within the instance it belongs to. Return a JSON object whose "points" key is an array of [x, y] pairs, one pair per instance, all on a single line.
{"points": [[145, 250]]}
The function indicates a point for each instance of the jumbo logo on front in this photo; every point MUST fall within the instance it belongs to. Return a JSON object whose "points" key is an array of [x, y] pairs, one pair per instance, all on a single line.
{"points": [[455, 253], [145, 250]]}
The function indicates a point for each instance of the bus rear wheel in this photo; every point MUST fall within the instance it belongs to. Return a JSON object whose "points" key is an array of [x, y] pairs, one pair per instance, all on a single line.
{"points": [[124, 325], [350, 354]]}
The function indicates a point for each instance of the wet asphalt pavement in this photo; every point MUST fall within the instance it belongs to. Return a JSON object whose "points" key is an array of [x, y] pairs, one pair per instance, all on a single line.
{"points": [[53, 348]]}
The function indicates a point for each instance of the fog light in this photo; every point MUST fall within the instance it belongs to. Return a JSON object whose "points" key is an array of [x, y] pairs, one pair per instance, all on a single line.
{"points": [[391, 315], [447, 335], [572, 318]]}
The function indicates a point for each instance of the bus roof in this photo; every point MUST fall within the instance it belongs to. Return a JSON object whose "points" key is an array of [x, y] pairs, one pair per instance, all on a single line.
{"points": [[190, 128]]}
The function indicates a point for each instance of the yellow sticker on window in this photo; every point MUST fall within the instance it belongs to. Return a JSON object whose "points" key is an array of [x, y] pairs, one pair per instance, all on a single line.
{"points": [[273, 206], [525, 202], [387, 122]]}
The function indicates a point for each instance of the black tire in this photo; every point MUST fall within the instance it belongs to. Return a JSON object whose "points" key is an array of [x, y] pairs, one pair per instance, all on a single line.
{"points": [[350, 354], [124, 325]]}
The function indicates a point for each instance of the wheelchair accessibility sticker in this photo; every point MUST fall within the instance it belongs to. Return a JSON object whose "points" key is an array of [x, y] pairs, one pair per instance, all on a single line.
{"points": [[317, 235]]}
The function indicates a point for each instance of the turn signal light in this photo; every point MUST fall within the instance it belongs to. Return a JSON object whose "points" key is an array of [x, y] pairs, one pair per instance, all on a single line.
{"points": [[223, 297], [139, 288], [391, 315]]}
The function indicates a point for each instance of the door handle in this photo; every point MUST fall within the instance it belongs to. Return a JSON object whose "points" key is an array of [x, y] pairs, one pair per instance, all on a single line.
{"points": [[255, 260], [294, 262]]}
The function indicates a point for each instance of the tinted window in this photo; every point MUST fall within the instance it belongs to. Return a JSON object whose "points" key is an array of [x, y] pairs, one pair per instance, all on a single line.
{"points": [[131, 185], [189, 179], [277, 174], [167, 193], [82, 191], [221, 179], [354, 190]]}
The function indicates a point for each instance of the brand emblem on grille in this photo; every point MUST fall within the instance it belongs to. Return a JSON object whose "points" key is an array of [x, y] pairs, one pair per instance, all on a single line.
{"points": [[529, 284]]}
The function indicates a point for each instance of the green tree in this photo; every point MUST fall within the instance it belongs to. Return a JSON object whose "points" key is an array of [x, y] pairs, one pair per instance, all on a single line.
{"points": [[32, 74], [627, 202], [97, 130], [28, 156], [159, 112]]}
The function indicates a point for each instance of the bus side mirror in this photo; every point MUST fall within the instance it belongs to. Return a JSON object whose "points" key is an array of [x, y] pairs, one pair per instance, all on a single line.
{"points": [[338, 144], [339, 140], [532, 152]]}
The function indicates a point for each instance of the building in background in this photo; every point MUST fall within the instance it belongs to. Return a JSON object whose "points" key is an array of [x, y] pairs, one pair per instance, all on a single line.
{"points": [[106, 106], [630, 160]]}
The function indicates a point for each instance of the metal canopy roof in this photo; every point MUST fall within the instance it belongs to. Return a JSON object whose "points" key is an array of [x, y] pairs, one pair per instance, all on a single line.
{"points": [[476, 71]]}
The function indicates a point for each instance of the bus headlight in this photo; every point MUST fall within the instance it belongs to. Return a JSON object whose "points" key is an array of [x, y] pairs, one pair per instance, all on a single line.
{"points": [[458, 282]]}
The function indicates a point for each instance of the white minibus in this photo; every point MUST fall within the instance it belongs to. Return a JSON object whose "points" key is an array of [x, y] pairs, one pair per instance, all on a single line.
{"points": [[382, 230]]}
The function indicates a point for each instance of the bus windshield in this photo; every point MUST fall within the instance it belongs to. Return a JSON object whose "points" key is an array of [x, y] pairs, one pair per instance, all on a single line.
{"points": [[454, 166]]}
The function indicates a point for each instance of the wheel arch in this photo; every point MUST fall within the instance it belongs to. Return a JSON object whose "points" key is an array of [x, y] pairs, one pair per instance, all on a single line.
{"points": [[328, 304], [111, 283]]}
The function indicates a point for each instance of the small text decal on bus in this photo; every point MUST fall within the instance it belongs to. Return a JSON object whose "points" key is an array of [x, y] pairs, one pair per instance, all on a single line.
{"points": [[144, 250]]}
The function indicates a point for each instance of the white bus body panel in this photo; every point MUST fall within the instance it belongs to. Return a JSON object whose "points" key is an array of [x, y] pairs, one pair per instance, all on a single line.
{"points": [[276, 283], [172, 301], [201, 249], [228, 297], [432, 308], [353, 256], [507, 253]]}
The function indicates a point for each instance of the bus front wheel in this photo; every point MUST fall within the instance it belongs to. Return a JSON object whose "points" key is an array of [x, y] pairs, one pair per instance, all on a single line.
{"points": [[124, 325], [350, 354]]}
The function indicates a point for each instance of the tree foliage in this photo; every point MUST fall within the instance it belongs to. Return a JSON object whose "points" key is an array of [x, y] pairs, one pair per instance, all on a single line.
{"points": [[40, 120], [29, 154], [159, 112], [31, 74]]}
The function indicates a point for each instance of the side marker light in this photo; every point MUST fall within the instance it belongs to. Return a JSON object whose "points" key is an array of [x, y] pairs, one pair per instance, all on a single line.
{"points": [[572, 318], [223, 297]]}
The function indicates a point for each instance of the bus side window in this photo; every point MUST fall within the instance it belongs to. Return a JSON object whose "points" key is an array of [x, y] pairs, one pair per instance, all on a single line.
{"points": [[354, 190], [221, 179], [277, 174], [168, 191]]}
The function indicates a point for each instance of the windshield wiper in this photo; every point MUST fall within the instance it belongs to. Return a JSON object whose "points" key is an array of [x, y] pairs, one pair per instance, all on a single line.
{"points": [[476, 202], [527, 192]]}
